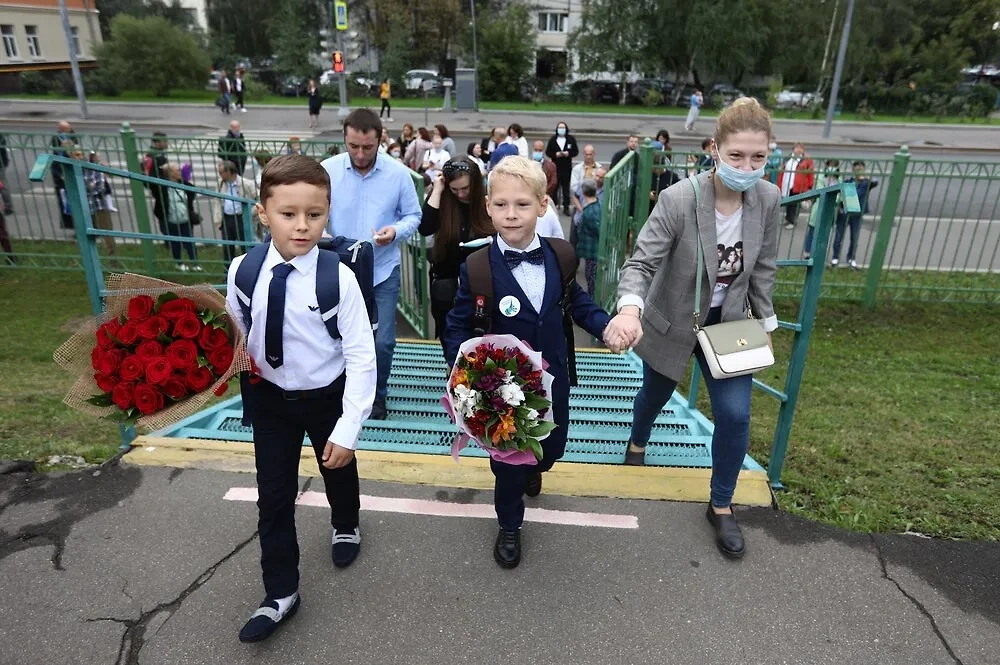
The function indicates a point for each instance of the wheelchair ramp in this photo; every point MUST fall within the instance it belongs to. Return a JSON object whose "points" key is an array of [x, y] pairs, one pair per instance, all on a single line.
{"points": [[600, 415]]}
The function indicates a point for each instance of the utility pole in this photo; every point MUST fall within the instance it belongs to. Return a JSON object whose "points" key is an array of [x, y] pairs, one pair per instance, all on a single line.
{"points": [[845, 35], [73, 59], [339, 15], [826, 50]]}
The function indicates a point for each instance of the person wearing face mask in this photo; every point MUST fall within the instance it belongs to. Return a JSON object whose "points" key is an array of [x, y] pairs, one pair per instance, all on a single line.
{"points": [[774, 162], [548, 166], [797, 177], [562, 150], [736, 221], [454, 213], [395, 151]]}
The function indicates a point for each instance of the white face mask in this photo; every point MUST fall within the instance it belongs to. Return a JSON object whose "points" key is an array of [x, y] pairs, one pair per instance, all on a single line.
{"points": [[736, 179]]}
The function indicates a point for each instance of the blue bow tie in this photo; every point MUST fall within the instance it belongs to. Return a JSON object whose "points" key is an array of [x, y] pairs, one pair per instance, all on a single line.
{"points": [[514, 259]]}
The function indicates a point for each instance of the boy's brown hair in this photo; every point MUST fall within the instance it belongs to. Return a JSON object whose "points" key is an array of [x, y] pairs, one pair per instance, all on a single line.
{"points": [[289, 170]]}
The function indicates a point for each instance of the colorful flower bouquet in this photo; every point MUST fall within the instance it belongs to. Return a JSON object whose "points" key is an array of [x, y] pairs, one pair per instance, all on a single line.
{"points": [[157, 354], [498, 395]]}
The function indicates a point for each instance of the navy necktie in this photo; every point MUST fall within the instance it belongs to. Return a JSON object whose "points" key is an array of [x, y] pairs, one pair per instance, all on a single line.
{"points": [[514, 259], [275, 314]]}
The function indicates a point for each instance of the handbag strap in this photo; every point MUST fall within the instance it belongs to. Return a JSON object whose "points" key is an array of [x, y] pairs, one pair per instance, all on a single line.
{"points": [[701, 254]]}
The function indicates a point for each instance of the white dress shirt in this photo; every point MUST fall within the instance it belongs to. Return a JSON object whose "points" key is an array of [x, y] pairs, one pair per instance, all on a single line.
{"points": [[313, 359], [530, 277], [521, 144], [549, 225]]}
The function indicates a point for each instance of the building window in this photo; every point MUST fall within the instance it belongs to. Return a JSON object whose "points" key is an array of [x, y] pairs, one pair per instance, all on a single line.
{"points": [[9, 41], [552, 22], [76, 39], [34, 47]]}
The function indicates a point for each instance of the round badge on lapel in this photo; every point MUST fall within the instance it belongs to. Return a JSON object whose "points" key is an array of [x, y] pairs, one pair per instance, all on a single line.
{"points": [[510, 306]]}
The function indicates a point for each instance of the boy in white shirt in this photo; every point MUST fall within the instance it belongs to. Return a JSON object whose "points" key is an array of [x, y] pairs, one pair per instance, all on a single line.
{"points": [[308, 382]]}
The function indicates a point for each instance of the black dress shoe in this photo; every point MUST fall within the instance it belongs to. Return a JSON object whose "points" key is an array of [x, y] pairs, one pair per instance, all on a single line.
{"points": [[266, 620], [507, 550], [635, 458], [378, 410], [346, 545], [728, 536], [533, 485]]}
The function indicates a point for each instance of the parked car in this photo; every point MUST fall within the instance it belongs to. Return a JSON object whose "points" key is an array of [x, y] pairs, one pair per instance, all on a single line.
{"points": [[213, 81], [797, 96], [638, 94], [684, 100], [724, 92], [596, 92], [415, 77], [368, 83], [293, 86]]}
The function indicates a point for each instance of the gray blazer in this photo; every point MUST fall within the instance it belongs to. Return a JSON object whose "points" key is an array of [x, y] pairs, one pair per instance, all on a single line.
{"points": [[663, 267]]}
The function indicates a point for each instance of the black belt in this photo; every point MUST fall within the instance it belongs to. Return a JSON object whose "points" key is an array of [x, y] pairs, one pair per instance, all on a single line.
{"points": [[313, 393]]}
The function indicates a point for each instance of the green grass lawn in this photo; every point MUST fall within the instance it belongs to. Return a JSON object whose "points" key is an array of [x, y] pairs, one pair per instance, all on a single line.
{"points": [[896, 425], [434, 102]]}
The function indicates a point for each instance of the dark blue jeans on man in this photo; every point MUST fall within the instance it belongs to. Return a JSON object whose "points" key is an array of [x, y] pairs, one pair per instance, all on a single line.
{"points": [[730, 414], [846, 221], [386, 297]]}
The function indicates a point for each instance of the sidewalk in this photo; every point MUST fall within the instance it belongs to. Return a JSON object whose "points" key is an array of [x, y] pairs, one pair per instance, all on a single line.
{"points": [[136, 564], [611, 125]]}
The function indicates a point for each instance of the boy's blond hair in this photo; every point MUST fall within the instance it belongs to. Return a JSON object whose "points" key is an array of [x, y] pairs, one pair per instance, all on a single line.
{"points": [[526, 170], [170, 170]]}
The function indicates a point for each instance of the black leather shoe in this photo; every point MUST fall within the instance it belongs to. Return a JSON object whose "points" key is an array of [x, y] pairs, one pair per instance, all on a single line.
{"points": [[266, 620], [378, 410], [507, 550], [634, 458], [533, 485], [345, 548], [728, 536]]}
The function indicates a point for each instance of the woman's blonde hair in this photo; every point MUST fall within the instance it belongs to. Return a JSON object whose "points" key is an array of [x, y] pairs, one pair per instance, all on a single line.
{"points": [[520, 168], [743, 115]]}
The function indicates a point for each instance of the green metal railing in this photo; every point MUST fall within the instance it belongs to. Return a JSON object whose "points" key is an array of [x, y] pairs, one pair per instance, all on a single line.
{"points": [[414, 291]]}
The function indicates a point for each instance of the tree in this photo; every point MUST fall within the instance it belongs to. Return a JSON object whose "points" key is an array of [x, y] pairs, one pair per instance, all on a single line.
{"points": [[395, 58], [507, 51], [294, 36], [611, 35], [173, 11], [152, 53]]}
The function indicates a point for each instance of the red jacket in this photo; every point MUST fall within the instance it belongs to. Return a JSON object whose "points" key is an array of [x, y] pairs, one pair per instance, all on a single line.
{"points": [[804, 178], [551, 176]]}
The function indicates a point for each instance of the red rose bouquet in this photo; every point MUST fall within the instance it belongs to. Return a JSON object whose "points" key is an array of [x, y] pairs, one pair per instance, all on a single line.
{"points": [[498, 395], [157, 354]]}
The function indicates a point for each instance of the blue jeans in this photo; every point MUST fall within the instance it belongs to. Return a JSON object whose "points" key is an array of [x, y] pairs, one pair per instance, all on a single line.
{"points": [[730, 412], [386, 297], [844, 220]]}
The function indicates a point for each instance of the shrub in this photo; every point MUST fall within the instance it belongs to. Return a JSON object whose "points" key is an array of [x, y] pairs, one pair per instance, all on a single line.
{"points": [[33, 83], [101, 82]]}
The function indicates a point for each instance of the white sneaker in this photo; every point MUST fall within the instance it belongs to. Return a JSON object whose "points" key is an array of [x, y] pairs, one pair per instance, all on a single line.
{"points": [[834, 263], [197, 268], [789, 227], [182, 267], [243, 110], [853, 264], [389, 119]]}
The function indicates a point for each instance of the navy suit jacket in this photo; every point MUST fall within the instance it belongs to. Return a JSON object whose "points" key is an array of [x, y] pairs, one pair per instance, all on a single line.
{"points": [[542, 330]]}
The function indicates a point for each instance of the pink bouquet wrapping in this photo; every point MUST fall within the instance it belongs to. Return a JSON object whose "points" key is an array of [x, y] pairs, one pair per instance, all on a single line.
{"points": [[499, 396]]}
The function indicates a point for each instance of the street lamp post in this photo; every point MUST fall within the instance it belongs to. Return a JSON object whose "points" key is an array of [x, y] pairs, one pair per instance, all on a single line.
{"points": [[73, 59], [839, 71], [475, 55]]}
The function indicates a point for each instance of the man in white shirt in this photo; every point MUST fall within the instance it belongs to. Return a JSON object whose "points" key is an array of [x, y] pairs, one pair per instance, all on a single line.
{"points": [[435, 158]]}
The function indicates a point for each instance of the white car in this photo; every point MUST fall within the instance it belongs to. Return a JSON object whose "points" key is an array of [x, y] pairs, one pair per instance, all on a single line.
{"points": [[414, 77], [789, 98], [329, 77]]}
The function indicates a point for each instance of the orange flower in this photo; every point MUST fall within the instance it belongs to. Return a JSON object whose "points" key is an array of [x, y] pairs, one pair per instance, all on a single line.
{"points": [[504, 429], [461, 378]]}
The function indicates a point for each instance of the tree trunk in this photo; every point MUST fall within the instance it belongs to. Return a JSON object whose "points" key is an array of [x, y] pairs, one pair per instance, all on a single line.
{"points": [[622, 90]]}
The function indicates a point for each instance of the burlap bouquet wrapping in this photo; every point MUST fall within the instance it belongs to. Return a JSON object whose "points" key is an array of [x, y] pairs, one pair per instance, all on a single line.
{"points": [[74, 354]]}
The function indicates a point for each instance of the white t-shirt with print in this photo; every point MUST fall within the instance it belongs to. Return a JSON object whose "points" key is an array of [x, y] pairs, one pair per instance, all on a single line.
{"points": [[729, 251]]}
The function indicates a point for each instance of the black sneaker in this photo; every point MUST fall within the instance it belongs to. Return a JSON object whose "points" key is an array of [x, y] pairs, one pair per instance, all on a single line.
{"points": [[633, 457], [728, 536], [266, 620], [507, 549], [533, 485], [346, 545], [378, 410]]}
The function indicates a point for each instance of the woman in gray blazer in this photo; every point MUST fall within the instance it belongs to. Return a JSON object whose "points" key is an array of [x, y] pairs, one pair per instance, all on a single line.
{"points": [[736, 223]]}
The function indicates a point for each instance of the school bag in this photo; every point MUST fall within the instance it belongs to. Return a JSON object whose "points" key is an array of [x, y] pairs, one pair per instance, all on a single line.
{"points": [[477, 266], [358, 255]]}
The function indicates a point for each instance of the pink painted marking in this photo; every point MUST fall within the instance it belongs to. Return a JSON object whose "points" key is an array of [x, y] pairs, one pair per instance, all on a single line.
{"points": [[384, 504]]}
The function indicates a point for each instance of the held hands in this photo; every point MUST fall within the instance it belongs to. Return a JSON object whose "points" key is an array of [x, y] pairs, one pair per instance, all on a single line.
{"points": [[335, 457], [384, 236], [624, 331]]}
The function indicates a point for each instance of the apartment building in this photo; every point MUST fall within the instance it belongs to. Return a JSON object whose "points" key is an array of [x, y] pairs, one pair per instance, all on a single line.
{"points": [[34, 39]]}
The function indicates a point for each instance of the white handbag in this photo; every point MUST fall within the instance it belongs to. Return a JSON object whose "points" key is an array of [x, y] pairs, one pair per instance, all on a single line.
{"points": [[732, 348]]}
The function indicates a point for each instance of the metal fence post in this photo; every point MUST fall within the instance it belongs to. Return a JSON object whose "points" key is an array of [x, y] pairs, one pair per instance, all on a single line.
{"points": [[889, 208], [134, 164], [643, 185], [79, 208]]}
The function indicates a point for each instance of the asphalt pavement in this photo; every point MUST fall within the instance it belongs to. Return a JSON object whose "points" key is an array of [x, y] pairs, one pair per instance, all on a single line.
{"points": [[132, 564]]}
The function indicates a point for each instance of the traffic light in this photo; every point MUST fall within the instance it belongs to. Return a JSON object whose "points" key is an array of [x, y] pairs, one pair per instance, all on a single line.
{"points": [[338, 62]]}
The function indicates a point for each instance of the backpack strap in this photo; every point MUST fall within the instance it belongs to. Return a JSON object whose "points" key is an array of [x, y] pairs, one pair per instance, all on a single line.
{"points": [[477, 266], [246, 280], [328, 290], [568, 264]]}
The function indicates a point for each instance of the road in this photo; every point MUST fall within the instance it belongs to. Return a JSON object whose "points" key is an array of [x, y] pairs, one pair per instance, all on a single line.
{"points": [[945, 218], [146, 564]]}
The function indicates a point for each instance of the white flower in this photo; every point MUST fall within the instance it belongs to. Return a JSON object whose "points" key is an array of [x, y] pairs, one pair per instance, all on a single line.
{"points": [[466, 400], [512, 394], [532, 415]]}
